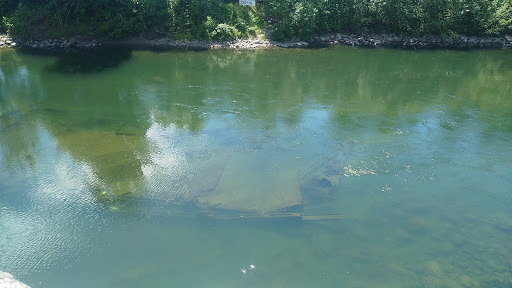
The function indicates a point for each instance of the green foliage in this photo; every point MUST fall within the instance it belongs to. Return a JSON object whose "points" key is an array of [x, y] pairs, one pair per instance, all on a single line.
{"points": [[190, 17], [302, 22], [226, 19], [155, 13], [502, 20], [4, 24], [2, 15], [405, 17], [210, 26], [224, 32], [23, 20], [202, 19], [118, 22], [95, 18], [436, 17]]}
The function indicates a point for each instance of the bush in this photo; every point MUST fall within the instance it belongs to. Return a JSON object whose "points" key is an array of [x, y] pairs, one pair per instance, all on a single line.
{"points": [[253, 31], [224, 32]]}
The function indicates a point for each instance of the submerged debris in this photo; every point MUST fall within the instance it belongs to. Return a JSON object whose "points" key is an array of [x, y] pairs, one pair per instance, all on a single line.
{"points": [[274, 187], [323, 174]]}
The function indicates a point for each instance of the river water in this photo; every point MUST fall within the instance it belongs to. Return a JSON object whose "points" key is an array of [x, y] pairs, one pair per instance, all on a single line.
{"points": [[334, 167]]}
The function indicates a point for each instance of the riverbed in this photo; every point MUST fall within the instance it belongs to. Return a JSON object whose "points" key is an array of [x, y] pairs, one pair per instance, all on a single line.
{"points": [[335, 167]]}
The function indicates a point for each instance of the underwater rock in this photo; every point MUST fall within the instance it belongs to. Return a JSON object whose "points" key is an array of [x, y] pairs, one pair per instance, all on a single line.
{"points": [[321, 183], [323, 173]]}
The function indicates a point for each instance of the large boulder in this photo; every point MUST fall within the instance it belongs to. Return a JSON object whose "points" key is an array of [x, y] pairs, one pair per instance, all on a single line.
{"points": [[8, 281]]}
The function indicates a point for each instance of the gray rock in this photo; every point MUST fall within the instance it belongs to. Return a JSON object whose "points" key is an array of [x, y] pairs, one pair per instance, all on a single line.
{"points": [[8, 281], [360, 40]]}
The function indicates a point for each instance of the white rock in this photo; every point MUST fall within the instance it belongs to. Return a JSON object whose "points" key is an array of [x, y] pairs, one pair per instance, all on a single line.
{"points": [[8, 281]]}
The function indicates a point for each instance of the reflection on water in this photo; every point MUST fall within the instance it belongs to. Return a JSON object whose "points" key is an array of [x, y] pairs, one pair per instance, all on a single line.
{"points": [[189, 167], [83, 61]]}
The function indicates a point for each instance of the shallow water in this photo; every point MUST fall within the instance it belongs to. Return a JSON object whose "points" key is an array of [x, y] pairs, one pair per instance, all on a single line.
{"points": [[124, 168]]}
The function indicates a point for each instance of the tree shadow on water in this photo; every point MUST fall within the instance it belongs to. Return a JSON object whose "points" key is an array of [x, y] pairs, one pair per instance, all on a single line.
{"points": [[87, 61], [90, 61]]}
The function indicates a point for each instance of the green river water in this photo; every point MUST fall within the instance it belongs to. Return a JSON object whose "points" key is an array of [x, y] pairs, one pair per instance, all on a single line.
{"points": [[333, 167]]}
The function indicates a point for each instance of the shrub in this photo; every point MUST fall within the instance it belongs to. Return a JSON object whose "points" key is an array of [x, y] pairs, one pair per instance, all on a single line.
{"points": [[502, 20], [224, 32]]}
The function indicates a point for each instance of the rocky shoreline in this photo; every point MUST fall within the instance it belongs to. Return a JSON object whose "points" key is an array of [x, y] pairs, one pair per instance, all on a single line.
{"points": [[237, 44], [6, 41], [74, 42], [426, 42], [353, 40]]}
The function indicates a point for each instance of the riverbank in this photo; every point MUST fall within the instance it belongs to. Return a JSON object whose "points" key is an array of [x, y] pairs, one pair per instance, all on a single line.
{"points": [[354, 40], [426, 42]]}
